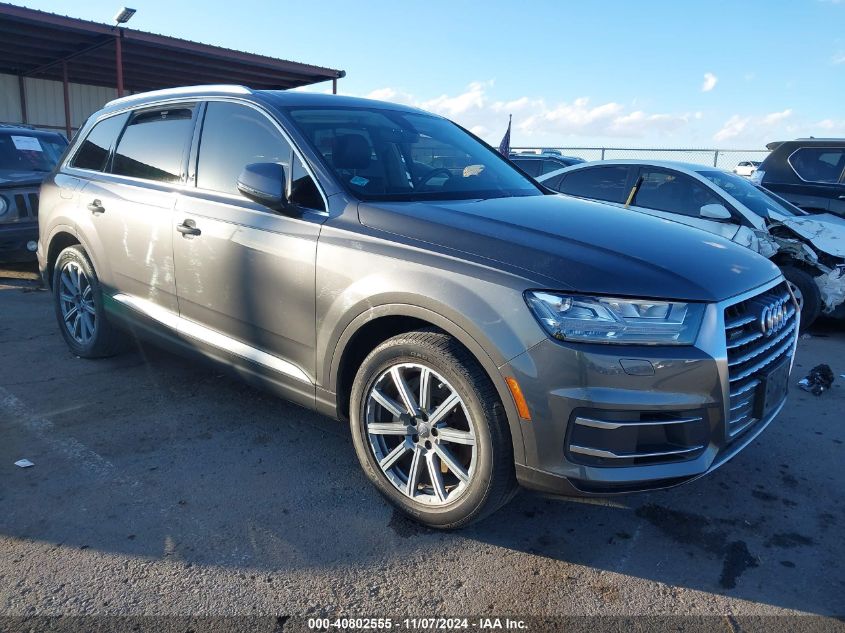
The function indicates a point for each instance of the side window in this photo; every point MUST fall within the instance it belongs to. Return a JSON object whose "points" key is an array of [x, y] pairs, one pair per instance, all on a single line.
{"points": [[599, 183], [554, 182], [818, 164], [234, 136], [94, 151], [530, 167], [550, 166], [303, 189], [154, 143], [674, 193]]}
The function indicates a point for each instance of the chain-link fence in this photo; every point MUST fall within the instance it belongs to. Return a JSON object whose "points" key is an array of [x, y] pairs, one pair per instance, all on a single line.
{"points": [[722, 158]]}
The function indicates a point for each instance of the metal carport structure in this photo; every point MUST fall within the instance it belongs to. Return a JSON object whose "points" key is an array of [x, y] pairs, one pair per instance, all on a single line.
{"points": [[37, 44]]}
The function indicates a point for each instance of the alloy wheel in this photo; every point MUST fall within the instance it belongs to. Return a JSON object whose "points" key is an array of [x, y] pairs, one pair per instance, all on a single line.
{"points": [[421, 434], [76, 300]]}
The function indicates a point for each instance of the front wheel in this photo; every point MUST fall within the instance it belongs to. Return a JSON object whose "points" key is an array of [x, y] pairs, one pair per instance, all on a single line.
{"points": [[806, 292], [78, 302], [430, 431]]}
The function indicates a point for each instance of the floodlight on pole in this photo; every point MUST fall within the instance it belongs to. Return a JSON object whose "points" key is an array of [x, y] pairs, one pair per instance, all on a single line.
{"points": [[124, 15]]}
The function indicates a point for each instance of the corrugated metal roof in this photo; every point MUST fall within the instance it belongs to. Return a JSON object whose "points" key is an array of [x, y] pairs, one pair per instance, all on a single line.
{"points": [[32, 42]]}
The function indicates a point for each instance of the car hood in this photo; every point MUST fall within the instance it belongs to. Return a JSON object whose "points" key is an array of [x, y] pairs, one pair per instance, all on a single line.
{"points": [[14, 178], [578, 245], [824, 231]]}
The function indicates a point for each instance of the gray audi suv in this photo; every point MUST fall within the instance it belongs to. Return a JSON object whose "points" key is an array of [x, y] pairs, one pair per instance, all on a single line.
{"points": [[476, 330]]}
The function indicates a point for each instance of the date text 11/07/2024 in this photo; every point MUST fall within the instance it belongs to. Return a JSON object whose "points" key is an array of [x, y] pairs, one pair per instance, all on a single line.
{"points": [[417, 624]]}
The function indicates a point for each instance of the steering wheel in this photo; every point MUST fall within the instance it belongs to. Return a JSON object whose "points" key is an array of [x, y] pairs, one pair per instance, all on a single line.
{"points": [[421, 182]]}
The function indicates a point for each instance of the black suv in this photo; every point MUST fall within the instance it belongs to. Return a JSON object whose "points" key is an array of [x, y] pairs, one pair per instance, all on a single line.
{"points": [[27, 155], [539, 164], [809, 172]]}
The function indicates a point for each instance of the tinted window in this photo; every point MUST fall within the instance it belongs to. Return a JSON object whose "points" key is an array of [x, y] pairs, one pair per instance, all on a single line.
{"points": [[554, 182], [530, 167], [755, 198], [818, 164], [94, 151], [234, 136], [598, 183], [153, 145], [381, 154], [672, 192], [21, 150], [552, 165], [303, 190]]}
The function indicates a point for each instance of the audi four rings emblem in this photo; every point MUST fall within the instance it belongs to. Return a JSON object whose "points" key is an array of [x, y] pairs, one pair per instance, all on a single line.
{"points": [[773, 317]]}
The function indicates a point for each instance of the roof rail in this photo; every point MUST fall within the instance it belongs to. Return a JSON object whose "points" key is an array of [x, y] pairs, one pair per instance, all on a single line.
{"points": [[183, 90]]}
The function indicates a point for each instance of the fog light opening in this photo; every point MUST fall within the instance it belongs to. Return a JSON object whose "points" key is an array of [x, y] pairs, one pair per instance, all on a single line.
{"points": [[31, 246]]}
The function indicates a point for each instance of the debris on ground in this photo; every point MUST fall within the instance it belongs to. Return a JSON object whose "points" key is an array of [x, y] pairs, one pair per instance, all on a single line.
{"points": [[805, 336], [24, 463], [818, 380]]}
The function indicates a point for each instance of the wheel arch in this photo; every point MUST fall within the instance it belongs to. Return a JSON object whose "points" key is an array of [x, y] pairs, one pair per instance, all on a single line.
{"points": [[59, 241], [380, 323]]}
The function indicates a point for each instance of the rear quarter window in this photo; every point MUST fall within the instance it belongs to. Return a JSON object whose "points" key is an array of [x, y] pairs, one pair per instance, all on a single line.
{"points": [[818, 164], [93, 153]]}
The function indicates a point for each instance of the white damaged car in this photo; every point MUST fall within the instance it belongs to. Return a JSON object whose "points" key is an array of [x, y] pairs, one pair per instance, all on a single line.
{"points": [[810, 249]]}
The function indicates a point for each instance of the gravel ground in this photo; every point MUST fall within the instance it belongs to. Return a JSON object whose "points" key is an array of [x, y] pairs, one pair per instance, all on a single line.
{"points": [[164, 487]]}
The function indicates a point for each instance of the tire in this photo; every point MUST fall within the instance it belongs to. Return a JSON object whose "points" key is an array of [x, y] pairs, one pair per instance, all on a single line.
{"points": [[472, 434], [86, 330], [810, 297]]}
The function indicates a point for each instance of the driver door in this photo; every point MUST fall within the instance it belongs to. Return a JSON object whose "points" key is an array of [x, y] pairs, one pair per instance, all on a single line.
{"points": [[675, 196]]}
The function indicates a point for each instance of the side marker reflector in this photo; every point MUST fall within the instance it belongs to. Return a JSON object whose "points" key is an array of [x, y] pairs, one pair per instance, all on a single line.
{"points": [[518, 398]]}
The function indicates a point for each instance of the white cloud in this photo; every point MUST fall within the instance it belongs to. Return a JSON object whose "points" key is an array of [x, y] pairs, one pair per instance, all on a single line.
{"points": [[710, 81], [838, 58], [732, 128]]}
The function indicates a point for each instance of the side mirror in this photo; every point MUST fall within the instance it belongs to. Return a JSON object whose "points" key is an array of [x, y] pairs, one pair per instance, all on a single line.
{"points": [[715, 212], [264, 183]]}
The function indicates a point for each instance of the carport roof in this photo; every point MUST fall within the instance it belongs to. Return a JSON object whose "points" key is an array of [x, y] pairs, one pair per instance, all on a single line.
{"points": [[34, 43]]}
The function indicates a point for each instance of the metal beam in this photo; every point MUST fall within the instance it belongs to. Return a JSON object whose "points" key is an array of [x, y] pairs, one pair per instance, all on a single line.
{"points": [[22, 92], [66, 88], [67, 58], [118, 60]]}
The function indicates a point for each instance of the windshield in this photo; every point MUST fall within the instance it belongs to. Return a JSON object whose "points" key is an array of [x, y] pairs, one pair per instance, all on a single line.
{"points": [[391, 155], [20, 151], [757, 199]]}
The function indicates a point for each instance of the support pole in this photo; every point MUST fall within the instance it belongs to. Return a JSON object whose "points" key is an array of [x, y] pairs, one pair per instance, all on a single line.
{"points": [[118, 60], [66, 88], [334, 85], [22, 91]]}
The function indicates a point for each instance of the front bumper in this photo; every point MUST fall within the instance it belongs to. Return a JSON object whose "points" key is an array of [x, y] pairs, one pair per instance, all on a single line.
{"points": [[610, 419], [14, 238]]}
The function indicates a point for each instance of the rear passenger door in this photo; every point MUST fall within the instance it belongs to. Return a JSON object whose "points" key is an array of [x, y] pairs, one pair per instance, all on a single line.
{"points": [[607, 183], [128, 207], [246, 280]]}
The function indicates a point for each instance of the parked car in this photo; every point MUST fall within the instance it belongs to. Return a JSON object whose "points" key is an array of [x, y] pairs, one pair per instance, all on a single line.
{"points": [[539, 164], [476, 330], [746, 168], [809, 249], [809, 172], [26, 156]]}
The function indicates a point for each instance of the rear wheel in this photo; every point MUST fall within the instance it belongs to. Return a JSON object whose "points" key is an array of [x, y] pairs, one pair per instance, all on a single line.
{"points": [[430, 431], [79, 308], [806, 292]]}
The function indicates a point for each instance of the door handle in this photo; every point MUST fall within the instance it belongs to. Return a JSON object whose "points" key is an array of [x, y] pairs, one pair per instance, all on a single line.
{"points": [[842, 197], [96, 207], [188, 228]]}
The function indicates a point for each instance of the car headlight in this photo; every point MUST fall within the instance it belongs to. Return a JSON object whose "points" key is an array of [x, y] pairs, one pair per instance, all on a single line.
{"points": [[4, 206], [612, 320]]}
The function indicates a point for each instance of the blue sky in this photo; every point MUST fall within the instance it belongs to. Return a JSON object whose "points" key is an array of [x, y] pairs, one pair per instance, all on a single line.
{"points": [[650, 73]]}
